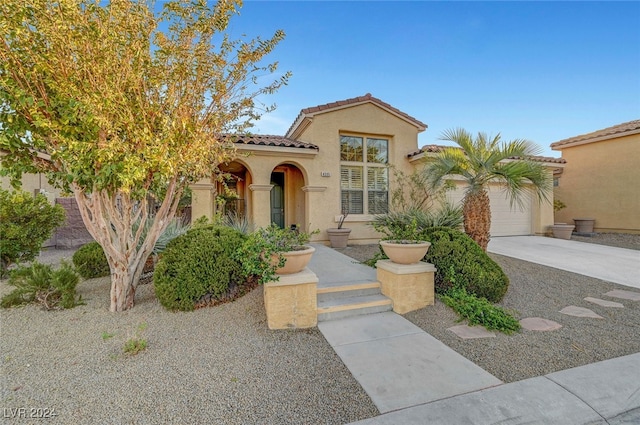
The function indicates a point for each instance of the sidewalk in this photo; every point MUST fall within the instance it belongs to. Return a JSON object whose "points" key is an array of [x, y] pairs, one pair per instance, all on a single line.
{"points": [[607, 392]]}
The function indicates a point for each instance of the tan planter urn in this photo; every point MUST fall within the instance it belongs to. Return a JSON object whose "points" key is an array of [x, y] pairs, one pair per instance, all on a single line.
{"points": [[584, 225], [295, 261], [562, 230], [405, 251], [338, 238]]}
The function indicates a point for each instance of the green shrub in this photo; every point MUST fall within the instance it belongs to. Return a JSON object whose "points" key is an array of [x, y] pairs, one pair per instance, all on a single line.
{"points": [[26, 222], [40, 283], [90, 261], [198, 264], [264, 244], [479, 311], [458, 258]]}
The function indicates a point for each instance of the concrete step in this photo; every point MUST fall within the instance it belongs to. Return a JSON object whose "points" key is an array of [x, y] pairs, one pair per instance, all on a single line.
{"points": [[340, 308], [348, 290]]}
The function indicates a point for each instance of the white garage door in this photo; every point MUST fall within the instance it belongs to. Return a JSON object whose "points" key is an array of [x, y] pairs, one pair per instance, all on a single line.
{"points": [[505, 220]]}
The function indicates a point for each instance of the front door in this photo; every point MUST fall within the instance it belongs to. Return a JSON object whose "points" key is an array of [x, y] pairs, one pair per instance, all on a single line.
{"points": [[277, 199]]}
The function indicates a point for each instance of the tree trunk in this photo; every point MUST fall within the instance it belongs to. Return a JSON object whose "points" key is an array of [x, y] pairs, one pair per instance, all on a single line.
{"points": [[124, 280], [477, 217], [110, 219]]}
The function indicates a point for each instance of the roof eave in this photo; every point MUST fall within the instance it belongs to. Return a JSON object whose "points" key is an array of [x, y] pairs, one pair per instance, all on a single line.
{"points": [[270, 150], [558, 146]]}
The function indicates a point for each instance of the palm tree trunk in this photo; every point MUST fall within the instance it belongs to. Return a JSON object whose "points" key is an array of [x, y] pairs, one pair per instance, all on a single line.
{"points": [[477, 217]]}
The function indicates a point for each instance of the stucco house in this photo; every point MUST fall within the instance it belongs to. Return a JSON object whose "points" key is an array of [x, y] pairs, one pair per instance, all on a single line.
{"points": [[601, 178], [334, 157]]}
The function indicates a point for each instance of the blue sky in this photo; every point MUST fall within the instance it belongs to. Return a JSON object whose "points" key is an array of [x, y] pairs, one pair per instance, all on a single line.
{"points": [[543, 71]]}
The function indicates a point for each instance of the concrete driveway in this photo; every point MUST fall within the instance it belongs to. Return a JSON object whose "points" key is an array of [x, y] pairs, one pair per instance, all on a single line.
{"points": [[616, 265]]}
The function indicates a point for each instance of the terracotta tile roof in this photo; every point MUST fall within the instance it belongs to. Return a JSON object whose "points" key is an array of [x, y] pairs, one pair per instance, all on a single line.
{"points": [[354, 101], [604, 134], [438, 148], [270, 140], [428, 149]]}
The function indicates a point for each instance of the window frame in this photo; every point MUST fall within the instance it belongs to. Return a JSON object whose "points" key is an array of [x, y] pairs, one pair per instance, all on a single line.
{"points": [[366, 166]]}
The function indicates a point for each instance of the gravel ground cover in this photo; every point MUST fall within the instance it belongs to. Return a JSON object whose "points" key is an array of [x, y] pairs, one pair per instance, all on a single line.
{"points": [[218, 365], [222, 365], [539, 291]]}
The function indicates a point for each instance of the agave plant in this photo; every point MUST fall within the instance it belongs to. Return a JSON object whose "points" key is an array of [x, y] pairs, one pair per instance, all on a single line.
{"points": [[239, 222], [415, 220], [175, 228]]}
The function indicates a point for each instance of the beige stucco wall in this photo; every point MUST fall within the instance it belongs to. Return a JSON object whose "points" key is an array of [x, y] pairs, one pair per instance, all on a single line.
{"points": [[365, 119], [32, 183], [600, 180]]}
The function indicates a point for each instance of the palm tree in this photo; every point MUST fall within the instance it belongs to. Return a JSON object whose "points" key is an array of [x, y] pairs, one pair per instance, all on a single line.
{"points": [[485, 160]]}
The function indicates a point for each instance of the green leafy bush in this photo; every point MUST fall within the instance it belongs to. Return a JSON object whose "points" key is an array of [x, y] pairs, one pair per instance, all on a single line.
{"points": [[260, 246], [40, 283], [26, 222], [479, 311], [90, 261], [461, 261], [198, 264]]}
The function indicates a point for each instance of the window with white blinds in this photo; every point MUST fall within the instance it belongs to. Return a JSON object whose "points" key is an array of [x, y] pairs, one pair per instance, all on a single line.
{"points": [[364, 177]]}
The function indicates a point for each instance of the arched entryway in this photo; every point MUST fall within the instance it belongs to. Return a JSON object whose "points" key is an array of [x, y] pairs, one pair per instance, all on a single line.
{"points": [[232, 192], [287, 199]]}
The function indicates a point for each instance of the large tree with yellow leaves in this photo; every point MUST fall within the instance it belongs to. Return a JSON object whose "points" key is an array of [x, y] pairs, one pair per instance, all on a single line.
{"points": [[128, 105]]}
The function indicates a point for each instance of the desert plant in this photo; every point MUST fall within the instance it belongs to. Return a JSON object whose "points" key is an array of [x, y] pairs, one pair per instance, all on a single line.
{"points": [[404, 223], [25, 223], [200, 263], [239, 222], [479, 311], [483, 160], [460, 261], [257, 251], [175, 228], [90, 261], [42, 284], [136, 344]]}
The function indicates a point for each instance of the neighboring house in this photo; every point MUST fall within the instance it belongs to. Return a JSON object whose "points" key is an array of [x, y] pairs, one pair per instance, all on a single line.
{"points": [[333, 158], [602, 178]]}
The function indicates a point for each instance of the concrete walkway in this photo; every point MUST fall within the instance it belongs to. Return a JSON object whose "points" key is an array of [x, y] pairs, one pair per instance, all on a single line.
{"points": [[617, 265], [413, 378], [398, 364]]}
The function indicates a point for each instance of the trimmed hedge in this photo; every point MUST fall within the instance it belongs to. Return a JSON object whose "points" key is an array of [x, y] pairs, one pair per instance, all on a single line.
{"points": [[462, 263], [90, 261], [198, 265]]}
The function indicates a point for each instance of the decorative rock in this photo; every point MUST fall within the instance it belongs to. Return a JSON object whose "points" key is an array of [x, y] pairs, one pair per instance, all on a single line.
{"points": [[471, 332], [604, 303], [539, 324], [625, 295], [572, 310]]}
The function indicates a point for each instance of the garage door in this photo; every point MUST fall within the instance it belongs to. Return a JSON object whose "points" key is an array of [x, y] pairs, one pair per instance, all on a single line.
{"points": [[505, 220]]}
